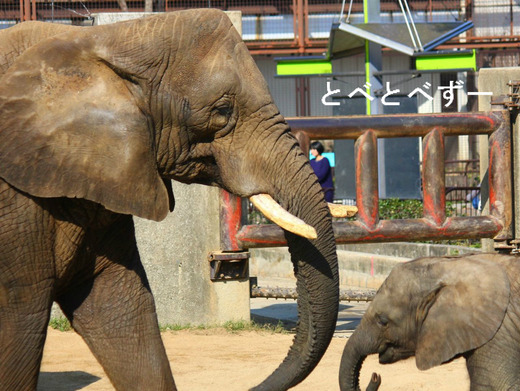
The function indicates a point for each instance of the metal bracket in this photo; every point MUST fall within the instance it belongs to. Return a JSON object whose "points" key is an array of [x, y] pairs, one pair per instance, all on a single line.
{"points": [[225, 266], [515, 246], [512, 99]]}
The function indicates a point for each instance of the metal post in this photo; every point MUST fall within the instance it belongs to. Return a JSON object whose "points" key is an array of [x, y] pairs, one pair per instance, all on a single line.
{"points": [[366, 190], [434, 186], [26, 10], [230, 221], [302, 96], [373, 64], [301, 33], [373, 57]]}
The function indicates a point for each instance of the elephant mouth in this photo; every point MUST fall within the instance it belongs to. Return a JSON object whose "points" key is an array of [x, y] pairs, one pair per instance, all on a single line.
{"points": [[202, 170], [206, 175], [391, 354]]}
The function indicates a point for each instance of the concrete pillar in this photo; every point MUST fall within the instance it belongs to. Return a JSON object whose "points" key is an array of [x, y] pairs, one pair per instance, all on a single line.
{"points": [[494, 80], [175, 255], [175, 251]]}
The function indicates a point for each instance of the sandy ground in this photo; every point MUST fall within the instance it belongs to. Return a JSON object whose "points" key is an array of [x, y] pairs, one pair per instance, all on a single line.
{"points": [[220, 360]]}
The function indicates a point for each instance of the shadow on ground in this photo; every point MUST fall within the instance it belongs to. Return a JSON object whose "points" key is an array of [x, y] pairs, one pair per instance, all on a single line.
{"points": [[285, 313], [72, 381]]}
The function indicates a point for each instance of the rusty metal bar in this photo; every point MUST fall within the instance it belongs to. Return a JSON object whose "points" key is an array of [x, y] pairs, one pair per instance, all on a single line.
{"points": [[434, 186], [261, 235], [418, 229], [367, 195], [290, 293], [270, 235], [402, 125]]}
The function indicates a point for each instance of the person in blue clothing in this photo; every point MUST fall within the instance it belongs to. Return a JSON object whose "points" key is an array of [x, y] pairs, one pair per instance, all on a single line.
{"points": [[321, 166]]}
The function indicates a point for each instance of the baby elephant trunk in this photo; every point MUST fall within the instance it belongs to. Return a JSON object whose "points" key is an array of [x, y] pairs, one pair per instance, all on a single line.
{"points": [[356, 350]]}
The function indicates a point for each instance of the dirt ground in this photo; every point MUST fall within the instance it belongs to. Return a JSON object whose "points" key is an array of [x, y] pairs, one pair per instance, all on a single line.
{"points": [[217, 359]]}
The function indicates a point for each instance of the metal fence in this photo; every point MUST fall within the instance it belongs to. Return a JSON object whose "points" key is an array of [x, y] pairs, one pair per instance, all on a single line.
{"points": [[462, 178], [435, 223]]}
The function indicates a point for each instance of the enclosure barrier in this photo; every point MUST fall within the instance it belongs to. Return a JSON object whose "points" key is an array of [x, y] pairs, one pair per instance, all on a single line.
{"points": [[290, 293], [367, 228]]}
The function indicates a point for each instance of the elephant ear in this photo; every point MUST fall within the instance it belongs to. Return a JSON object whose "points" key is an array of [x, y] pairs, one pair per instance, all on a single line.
{"points": [[463, 311], [70, 126]]}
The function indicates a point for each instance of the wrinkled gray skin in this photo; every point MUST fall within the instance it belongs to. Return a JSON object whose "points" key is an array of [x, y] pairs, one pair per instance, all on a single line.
{"points": [[94, 122], [437, 309]]}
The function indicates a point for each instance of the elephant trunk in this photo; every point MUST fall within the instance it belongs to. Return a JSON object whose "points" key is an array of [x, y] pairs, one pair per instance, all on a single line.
{"points": [[358, 347], [315, 267]]}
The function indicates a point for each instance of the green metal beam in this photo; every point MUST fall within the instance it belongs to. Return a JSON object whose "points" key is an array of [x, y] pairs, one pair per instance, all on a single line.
{"points": [[303, 67], [447, 61]]}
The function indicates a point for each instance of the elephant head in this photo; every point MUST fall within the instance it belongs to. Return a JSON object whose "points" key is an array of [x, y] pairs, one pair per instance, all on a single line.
{"points": [[112, 113], [432, 308]]}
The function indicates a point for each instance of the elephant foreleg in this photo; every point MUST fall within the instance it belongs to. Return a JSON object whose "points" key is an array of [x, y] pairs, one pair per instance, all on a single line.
{"points": [[23, 328], [114, 312], [26, 288]]}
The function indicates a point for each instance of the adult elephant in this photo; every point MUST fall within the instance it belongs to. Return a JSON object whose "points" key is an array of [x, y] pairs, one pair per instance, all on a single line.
{"points": [[94, 122], [437, 309]]}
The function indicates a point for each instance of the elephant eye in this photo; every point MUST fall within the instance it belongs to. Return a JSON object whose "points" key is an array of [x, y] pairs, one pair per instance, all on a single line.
{"points": [[382, 320], [223, 116], [224, 110]]}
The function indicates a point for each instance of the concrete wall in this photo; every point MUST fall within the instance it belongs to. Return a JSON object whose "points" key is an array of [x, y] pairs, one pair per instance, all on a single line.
{"points": [[273, 267], [408, 250], [175, 251], [360, 265]]}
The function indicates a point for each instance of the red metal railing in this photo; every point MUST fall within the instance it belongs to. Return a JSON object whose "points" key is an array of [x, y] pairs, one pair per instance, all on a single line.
{"points": [[485, 16], [488, 33], [367, 227]]}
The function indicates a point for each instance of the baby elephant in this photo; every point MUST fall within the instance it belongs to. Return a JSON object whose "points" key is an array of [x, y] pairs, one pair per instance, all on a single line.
{"points": [[439, 308]]}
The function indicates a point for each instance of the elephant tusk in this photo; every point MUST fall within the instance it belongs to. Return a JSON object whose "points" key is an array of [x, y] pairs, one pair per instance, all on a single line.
{"points": [[338, 210], [278, 215]]}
